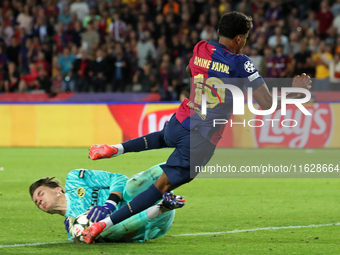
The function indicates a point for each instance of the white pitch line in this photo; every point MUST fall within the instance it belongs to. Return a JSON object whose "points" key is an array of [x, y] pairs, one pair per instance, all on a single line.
{"points": [[28, 244], [256, 229], [196, 234]]}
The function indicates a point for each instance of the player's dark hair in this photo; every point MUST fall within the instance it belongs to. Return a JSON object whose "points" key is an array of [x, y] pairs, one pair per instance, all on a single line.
{"points": [[50, 182], [234, 23]]}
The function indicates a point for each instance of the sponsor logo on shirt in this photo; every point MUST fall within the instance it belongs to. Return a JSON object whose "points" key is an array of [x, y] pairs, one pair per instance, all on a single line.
{"points": [[94, 197], [81, 192]]}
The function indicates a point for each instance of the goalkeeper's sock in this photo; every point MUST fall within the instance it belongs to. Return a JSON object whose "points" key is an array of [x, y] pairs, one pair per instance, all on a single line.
{"points": [[151, 141], [153, 212], [141, 202]]}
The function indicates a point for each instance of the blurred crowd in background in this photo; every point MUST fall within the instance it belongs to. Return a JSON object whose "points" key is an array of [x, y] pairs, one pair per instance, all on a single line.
{"points": [[145, 45]]}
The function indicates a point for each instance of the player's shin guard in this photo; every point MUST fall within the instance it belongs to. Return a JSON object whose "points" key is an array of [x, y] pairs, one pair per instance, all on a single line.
{"points": [[151, 141]]}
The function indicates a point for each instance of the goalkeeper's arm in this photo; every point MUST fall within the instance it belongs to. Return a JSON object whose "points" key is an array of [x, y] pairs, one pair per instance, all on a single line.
{"points": [[99, 213]]}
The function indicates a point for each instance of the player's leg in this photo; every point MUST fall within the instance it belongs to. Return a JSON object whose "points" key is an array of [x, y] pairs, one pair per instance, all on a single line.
{"points": [[201, 151], [169, 136], [151, 141], [190, 151], [176, 172], [157, 219], [141, 181], [158, 227], [142, 201], [120, 231]]}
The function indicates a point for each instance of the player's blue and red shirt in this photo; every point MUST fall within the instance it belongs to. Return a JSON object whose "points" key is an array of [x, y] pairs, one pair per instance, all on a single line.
{"points": [[212, 63]]}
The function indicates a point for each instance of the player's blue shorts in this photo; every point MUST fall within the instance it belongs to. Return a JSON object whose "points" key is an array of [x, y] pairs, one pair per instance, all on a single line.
{"points": [[191, 149]]}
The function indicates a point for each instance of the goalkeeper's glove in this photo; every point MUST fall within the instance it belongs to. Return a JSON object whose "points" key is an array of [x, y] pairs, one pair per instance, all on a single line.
{"points": [[68, 222], [99, 213]]}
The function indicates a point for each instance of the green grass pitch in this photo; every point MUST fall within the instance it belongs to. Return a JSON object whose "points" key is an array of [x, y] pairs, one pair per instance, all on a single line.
{"points": [[213, 205]]}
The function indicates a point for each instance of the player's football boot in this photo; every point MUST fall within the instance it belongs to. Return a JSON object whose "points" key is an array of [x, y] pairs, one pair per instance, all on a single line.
{"points": [[99, 151], [171, 201], [90, 233]]}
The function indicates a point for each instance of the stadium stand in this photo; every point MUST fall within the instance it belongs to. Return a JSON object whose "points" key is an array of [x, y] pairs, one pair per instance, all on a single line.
{"points": [[58, 46]]}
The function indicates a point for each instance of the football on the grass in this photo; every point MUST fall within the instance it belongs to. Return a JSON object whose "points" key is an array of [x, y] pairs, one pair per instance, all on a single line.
{"points": [[79, 224]]}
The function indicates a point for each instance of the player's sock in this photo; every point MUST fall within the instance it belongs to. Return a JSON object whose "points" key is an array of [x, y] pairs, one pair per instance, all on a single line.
{"points": [[108, 223], [120, 149], [151, 141], [141, 202], [153, 212]]}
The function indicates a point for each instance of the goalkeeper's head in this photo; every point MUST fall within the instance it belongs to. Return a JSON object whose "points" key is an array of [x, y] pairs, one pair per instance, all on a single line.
{"points": [[48, 194]]}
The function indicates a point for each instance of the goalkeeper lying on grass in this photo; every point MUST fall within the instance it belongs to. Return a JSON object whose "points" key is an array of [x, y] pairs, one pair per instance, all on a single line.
{"points": [[100, 194]]}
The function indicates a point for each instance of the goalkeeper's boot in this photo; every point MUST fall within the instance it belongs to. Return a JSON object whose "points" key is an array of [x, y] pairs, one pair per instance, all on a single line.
{"points": [[171, 201], [99, 151], [90, 233]]}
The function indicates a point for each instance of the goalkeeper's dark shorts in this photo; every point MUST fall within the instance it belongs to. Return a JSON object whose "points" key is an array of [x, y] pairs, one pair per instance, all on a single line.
{"points": [[191, 150]]}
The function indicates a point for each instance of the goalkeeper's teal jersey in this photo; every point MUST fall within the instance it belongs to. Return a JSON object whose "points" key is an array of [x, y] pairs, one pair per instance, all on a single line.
{"points": [[86, 188]]}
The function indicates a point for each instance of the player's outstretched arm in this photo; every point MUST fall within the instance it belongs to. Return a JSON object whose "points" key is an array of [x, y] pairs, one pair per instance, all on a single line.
{"points": [[265, 99]]}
